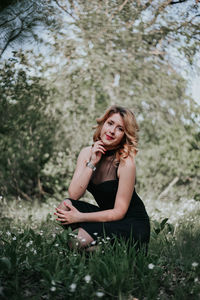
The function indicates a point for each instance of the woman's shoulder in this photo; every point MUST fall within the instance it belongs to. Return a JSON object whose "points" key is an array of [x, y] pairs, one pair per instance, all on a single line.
{"points": [[85, 152], [127, 163]]}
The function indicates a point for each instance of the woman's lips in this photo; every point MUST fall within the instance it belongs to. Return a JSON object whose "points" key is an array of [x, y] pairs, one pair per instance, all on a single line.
{"points": [[109, 137]]}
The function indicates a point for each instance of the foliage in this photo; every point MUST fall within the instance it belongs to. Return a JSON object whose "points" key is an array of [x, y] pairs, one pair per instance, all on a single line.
{"points": [[119, 52], [35, 262], [27, 132], [118, 56]]}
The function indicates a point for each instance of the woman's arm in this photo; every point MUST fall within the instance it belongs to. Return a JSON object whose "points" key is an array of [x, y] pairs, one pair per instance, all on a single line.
{"points": [[81, 176], [83, 173], [123, 198]]}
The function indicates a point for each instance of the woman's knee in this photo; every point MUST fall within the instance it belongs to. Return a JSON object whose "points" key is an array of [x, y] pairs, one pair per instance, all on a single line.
{"points": [[62, 204], [81, 240]]}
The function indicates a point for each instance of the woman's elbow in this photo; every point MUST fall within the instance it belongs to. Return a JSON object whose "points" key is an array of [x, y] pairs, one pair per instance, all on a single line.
{"points": [[119, 215], [72, 194]]}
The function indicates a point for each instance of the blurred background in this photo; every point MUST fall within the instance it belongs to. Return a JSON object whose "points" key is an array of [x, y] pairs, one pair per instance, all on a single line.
{"points": [[64, 62]]}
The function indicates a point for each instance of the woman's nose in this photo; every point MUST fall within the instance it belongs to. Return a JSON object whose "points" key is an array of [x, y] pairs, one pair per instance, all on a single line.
{"points": [[112, 130]]}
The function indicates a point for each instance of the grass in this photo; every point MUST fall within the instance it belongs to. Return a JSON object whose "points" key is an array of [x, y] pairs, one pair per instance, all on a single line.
{"points": [[35, 262]]}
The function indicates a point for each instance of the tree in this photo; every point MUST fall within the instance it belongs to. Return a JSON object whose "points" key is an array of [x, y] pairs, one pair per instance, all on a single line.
{"points": [[27, 133]]}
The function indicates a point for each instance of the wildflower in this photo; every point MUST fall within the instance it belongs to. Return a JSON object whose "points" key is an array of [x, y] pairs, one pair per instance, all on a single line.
{"points": [[151, 266], [53, 289], [53, 282], [99, 294], [14, 238], [196, 279], [27, 244], [195, 264], [87, 278], [93, 243], [72, 287], [34, 252], [53, 235], [108, 238], [95, 233], [8, 233], [56, 245]]}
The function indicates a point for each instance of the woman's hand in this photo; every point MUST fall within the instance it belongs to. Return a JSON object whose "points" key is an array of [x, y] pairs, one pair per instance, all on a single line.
{"points": [[96, 152], [70, 216]]}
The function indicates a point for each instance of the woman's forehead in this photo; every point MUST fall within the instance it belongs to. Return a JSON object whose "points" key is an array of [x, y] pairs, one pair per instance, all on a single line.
{"points": [[116, 118]]}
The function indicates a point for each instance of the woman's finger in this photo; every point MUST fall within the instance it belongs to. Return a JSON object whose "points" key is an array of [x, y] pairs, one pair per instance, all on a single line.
{"points": [[59, 215], [61, 220], [61, 211]]}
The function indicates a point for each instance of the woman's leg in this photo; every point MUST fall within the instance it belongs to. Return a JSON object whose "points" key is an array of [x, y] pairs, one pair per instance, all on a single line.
{"points": [[82, 240], [63, 206]]}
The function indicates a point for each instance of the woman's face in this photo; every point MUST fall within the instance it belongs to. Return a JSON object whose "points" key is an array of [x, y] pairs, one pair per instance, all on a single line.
{"points": [[112, 131]]}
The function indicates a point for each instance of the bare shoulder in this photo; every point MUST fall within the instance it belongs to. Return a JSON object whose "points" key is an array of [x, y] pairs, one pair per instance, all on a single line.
{"points": [[85, 153], [128, 162], [127, 166]]}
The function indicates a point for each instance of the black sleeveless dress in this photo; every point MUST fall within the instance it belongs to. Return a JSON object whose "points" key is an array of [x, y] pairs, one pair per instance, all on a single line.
{"points": [[103, 186]]}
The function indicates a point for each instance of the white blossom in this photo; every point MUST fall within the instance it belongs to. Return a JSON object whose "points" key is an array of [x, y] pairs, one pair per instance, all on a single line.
{"points": [[87, 278], [53, 282], [72, 287], [151, 266], [53, 288], [195, 264], [99, 294]]}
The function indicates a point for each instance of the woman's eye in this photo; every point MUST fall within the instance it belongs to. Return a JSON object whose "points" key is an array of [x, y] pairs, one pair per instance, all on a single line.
{"points": [[121, 129]]}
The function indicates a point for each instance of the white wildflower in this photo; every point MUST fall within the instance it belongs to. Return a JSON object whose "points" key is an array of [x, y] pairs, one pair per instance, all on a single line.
{"points": [[95, 233], [72, 287], [195, 264], [14, 238], [93, 243], [53, 235], [53, 289], [99, 294], [108, 238], [53, 282], [8, 233], [87, 278], [56, 245], [34, 252], [151, 266], [196, 279]]}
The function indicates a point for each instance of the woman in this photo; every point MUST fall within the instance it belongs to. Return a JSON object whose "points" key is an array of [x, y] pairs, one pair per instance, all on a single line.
{"points": [[107, 170]]}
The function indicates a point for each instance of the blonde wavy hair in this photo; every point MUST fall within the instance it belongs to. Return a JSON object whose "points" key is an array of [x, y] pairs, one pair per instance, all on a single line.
{"points": [[128, 145]]}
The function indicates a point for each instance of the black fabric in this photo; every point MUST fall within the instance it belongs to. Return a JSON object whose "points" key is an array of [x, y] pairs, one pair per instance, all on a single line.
{"points": [[103, 186]]}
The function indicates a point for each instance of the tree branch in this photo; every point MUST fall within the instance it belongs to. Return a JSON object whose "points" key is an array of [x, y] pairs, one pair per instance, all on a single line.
{"points": [[64, 9]]}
